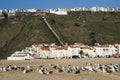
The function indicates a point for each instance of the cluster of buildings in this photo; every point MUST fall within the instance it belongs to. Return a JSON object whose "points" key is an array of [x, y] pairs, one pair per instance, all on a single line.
{"points": [[61, 11], [57, 52], [11, 12], [96, 9]]}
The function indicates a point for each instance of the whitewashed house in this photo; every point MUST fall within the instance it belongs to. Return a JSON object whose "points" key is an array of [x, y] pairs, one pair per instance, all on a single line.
{"points": [[105, 50], [44, 52], [89, 51], [57, 52], [94, 9], [117, 48], [73, 50], [32, 10], [30, 50], [20, 56], [0, 12], [58, 11], [11, 12]]}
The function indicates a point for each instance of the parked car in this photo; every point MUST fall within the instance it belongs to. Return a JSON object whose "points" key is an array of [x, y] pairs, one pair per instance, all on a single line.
{"points": [[75, 57]]}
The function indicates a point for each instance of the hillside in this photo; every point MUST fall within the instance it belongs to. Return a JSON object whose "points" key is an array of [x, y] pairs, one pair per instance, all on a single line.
{"points": [[25, 29]]}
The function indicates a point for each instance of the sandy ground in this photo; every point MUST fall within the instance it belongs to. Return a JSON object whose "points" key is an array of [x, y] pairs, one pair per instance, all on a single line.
{"points": [[84, 75]]}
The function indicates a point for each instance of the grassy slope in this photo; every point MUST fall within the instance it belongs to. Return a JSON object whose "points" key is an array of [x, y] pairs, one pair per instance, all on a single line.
{"points": [[30, 30], [23, 30], [77, 26]]}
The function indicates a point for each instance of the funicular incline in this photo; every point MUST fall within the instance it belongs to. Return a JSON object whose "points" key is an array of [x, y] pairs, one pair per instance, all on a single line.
{"points": [[53, 31]]}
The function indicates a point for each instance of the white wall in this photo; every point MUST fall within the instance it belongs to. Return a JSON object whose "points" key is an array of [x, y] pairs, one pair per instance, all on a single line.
{"points": [[15, 58], [31, 10], [58, 12]]}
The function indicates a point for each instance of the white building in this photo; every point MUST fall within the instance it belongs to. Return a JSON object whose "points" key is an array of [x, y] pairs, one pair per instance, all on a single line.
{"points": [[32, 10], [105, 50], [11, 12], [118, 48], [0, 12], [58, 11], [20, 56], [94, 9], [89, 51], [44, 52], [57, 53], [74, 50]]}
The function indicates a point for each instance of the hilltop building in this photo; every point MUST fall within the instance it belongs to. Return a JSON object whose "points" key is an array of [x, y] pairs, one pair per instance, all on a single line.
{"points": [[58, 11], [32, 10]]}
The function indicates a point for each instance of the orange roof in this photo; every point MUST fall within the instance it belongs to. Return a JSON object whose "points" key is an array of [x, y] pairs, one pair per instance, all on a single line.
{"points": [[91, 48], [74, 46], [104, 46], [45, 48], [59, 48], [54, 46], [116, 55]]}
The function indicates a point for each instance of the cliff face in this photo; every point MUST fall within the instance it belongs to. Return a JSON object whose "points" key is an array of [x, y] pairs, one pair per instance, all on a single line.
{"points": [[25, 29]]}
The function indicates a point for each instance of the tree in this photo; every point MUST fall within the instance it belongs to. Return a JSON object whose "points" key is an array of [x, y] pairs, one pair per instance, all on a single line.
{"points": [[92, 38], [92, 34], [81, 52], [93, 41], [53, 21], [76, 24], [5, 15]]}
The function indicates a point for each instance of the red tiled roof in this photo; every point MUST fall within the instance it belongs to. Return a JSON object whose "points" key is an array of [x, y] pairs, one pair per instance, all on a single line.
{"points": [[45, 48], [74, 46], [117, 55]]}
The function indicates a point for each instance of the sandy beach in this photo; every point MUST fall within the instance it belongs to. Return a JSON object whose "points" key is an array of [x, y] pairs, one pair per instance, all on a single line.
{"points": [[83, 75]]}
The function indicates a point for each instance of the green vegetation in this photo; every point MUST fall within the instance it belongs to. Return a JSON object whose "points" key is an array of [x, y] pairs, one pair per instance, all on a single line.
{"points": [[25, 29]]}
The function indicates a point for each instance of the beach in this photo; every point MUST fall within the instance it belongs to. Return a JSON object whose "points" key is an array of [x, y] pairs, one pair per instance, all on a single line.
{"points": [[83, 75]]}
